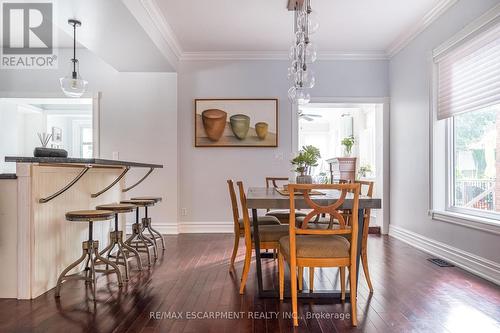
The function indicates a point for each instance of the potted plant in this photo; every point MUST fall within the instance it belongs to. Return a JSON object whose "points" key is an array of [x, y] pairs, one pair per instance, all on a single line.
{"points": [[348, 143], [364, 170], [308, 157]]}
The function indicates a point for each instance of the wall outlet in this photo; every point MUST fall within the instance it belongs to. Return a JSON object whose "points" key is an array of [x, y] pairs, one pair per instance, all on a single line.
{"points": [[184, 211], [116, 155]]}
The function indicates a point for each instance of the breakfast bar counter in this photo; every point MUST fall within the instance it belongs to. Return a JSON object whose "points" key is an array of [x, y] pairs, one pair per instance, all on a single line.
{"points": [[36, 242]]}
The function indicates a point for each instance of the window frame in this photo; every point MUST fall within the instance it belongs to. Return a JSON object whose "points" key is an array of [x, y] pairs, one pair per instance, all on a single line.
{"points": [[450, 178]]}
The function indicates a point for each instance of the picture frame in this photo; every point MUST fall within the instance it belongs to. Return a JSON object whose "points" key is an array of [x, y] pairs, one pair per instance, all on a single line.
{"points": [[56, 134], [236, 122]]}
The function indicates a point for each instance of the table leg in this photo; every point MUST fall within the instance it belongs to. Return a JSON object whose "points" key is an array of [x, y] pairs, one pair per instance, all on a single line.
{"points": [[256, 240], [361, 221]]}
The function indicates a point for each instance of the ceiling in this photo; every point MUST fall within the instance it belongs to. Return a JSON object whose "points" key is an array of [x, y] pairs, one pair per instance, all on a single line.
{"points": [[265, 25]]}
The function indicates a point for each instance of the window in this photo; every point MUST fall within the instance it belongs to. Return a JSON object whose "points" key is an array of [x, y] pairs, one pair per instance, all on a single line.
{"points": [[474, 160], [86, 142], [468, 103]]}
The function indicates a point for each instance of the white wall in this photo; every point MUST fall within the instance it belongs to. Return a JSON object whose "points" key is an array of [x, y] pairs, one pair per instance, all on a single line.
{"points": [[204, 171], [138, 118], [410, 77]]}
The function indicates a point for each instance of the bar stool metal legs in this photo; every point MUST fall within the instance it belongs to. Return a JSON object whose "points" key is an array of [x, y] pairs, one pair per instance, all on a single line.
{"points": [[91, 253], [124, 252], [139, 241], [146, 222]]}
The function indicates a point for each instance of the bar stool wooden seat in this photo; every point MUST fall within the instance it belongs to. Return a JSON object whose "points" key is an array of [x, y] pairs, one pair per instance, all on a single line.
{"points": [[90, 252], [138, 240], [124, 252], [146, 221]]}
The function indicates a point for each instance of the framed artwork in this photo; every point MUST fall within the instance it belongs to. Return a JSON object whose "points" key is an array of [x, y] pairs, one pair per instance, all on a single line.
{"points": [[56, 134], [236, 122]]}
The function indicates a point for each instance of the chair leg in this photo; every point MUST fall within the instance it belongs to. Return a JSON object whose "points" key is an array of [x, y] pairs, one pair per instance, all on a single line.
{"points": [[364, 261], [281, 272], [235, 251], [136, 254], [293, 280], [301, 277], [246, 268], [354, 295], [67, 269], [342, 282], [311, 279]]}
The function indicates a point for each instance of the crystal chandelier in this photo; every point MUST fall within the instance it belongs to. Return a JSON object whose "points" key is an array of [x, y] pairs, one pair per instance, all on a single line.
{"points": [[302, 54], [73, 85]]}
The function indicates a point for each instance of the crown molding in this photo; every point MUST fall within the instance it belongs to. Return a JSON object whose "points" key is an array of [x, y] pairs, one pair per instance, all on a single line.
{"points": [[163, 26], [405, 38], [477, 26], [278, 55]]}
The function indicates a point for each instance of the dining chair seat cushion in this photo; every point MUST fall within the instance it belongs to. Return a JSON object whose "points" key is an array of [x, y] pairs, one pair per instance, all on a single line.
{"points": [[317, 246], [284, 213], [272, 233], [321, 220], [263, 220]]}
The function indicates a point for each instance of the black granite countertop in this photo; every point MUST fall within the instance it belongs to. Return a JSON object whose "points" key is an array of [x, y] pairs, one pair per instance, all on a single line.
{"points": [[8, 176], [70, 160]]}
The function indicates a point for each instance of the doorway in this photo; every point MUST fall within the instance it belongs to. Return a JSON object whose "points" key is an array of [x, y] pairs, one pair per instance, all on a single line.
{"points": [[70, 124], [326, 125]]}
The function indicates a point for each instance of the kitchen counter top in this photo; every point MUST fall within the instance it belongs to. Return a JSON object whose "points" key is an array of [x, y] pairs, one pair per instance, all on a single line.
{"points": [[8, 176], [86, 161]]}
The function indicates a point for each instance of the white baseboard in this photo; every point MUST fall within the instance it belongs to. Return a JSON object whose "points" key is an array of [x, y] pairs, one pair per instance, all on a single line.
{"points": [[206, 227], [480, 266], [163, 228], [191, 228]]}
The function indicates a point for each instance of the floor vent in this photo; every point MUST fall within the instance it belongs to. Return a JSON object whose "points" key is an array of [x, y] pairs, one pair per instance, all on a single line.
{"points": [[440, 262]]}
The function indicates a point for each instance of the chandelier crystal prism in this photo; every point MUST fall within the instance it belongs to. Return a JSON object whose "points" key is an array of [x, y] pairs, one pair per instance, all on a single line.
{"points": [[302, 54]]}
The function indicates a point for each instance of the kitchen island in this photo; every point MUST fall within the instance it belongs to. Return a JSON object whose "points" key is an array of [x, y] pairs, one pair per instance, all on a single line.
{"points": [[36, 242]]}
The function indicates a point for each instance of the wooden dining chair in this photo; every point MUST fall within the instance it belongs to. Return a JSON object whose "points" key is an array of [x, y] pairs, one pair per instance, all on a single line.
{"points": [[347, 214], [239, 225], [305, 247], [269, 236], [281, 214]]}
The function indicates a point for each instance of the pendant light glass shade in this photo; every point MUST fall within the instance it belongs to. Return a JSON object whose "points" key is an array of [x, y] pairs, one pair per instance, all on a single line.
{"points": [[73, 85]]}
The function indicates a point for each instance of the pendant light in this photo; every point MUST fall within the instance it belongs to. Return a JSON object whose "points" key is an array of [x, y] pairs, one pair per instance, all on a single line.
{"points": [[73, 85], [302, 53]]}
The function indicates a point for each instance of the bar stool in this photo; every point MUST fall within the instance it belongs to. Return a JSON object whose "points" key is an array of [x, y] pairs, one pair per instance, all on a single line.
{"points": [[90, 251], [138, 240], [122, 255], [146, 221]]}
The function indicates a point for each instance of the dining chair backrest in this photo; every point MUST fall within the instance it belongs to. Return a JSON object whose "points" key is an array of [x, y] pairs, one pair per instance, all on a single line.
{"points": [[245, 215], [345, 190], [273, 181], [234, 204], [365, 184]]}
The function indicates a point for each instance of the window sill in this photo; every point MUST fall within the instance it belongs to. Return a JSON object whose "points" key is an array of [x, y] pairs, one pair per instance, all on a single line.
{"points": [[474, 222]]}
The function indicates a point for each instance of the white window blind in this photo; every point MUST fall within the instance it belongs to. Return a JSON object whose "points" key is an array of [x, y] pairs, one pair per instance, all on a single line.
{"points": [[469, 75]]}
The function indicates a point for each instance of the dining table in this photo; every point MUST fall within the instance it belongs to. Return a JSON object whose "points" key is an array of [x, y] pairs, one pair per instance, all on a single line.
{"points": [[271, 198]]}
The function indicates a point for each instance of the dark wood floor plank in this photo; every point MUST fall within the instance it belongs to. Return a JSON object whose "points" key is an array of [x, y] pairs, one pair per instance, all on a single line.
{"points": [[192, 276]]}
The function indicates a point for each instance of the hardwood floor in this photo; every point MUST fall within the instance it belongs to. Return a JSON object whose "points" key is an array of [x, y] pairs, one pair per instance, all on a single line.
{"points": [[411, 295]]}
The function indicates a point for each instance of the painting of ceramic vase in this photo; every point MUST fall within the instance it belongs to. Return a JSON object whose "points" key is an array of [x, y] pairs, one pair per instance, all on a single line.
{"points": [[214, 122], [262, 128], [240, 124]]}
